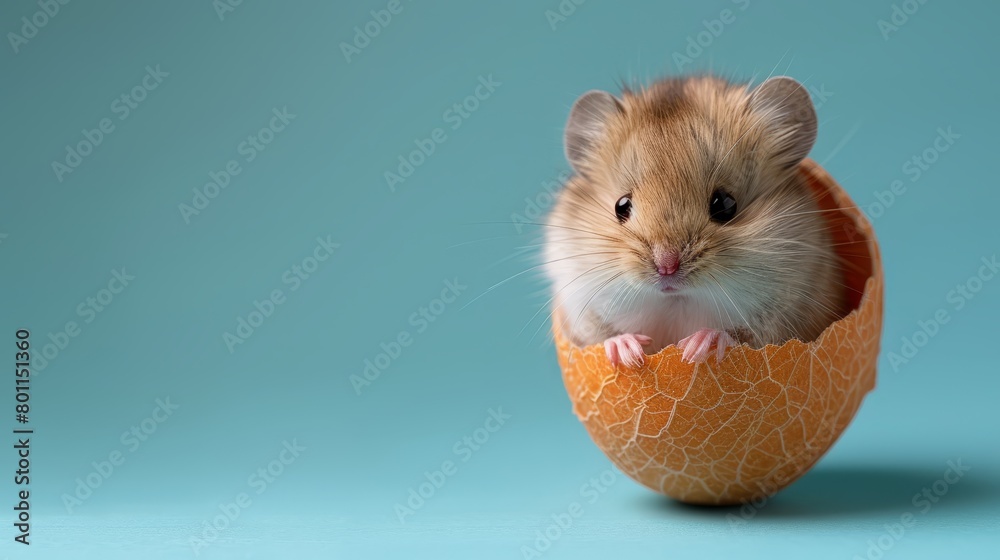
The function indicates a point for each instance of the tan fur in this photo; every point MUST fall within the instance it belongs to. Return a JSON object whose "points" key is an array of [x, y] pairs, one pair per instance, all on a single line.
{"points": [[767, 276]]}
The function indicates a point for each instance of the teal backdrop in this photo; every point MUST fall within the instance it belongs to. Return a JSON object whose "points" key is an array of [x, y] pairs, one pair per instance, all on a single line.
{"points": [[275, 265]]}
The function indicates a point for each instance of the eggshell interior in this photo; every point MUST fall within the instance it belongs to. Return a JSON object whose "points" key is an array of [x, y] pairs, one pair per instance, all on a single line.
{"points": [[746, 428]]}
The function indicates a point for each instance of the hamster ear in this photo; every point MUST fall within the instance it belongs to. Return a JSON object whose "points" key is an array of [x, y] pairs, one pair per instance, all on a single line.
{"points": [[586, 125], [788, 110]]}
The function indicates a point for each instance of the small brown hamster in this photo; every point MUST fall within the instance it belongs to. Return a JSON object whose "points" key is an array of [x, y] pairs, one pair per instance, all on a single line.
{"points": [[686, 221]]}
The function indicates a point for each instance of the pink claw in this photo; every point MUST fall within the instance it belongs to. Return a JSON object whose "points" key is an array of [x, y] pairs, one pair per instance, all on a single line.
{"points": [[697, 347], [626, 349]]}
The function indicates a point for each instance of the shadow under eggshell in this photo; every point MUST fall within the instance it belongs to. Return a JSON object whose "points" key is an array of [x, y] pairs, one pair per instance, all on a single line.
{"points": [[732, 432]]}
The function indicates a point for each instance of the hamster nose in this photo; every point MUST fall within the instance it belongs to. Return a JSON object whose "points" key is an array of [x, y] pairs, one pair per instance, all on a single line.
{"points": [[667, 262]]}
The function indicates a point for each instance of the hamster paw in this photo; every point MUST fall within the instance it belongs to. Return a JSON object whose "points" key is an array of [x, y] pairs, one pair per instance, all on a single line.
{"points": [[697, 347], [626, 349]]}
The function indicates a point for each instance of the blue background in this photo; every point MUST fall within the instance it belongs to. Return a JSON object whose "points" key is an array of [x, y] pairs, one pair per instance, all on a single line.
{"points": [[882, 94]]}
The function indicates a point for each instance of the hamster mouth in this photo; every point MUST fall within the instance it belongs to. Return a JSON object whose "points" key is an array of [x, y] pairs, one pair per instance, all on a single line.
{"points": [[671, 284]]}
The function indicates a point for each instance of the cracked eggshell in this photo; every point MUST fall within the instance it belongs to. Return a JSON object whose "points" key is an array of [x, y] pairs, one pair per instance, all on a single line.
{"points": [[746, 428]]}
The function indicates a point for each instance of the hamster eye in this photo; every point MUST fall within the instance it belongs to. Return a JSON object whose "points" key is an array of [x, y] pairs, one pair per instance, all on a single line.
{"points": [[721, 206], [623, 208]]}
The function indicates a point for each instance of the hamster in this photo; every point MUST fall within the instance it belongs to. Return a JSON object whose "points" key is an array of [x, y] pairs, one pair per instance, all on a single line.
{"points": [[686, 221]]}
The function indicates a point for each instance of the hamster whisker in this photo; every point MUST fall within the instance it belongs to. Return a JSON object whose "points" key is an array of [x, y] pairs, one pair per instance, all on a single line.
{"points": [[598, 269], [617, 300], [632, 293], [586, 306], [719, 309], [606, 266], [849, 243], [529, 269], [824, 306], [747, 285], [759, 120], [729, 316], [594, 233], [808, 284], [780, 241], [793, 280], [711, 176], [601, 215], [736, 307], [774, 302], [808, 212], [464, 243]]}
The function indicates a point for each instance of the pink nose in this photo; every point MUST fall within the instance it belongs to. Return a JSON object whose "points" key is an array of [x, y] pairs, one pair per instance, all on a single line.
{"points": [[666, 262]]}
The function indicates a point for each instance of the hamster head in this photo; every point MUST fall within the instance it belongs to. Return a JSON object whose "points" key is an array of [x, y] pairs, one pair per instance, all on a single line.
{"points": [[691, 187]]}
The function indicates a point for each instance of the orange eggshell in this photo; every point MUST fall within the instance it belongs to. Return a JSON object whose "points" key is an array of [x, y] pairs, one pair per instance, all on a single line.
{"points": [[743, 429]]}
